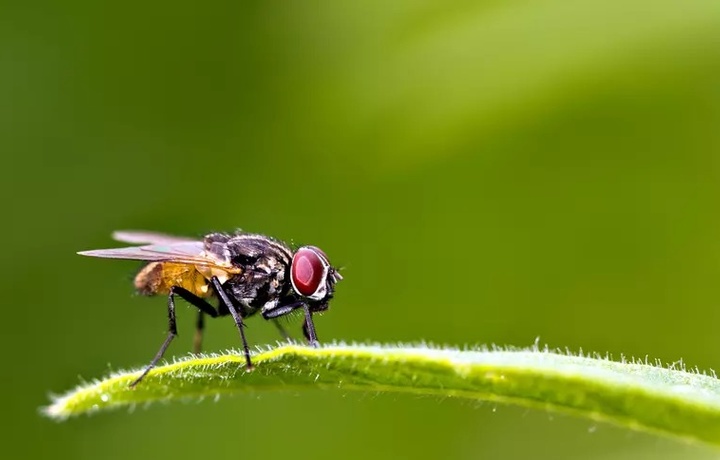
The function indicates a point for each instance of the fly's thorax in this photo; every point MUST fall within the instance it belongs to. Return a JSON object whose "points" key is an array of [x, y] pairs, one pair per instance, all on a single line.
{"points": [[256, 288], [261, 266], [249, 249]]}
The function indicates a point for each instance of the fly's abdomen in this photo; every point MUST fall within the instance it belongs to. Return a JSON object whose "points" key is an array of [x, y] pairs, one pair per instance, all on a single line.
{"points": [[159, 277]]}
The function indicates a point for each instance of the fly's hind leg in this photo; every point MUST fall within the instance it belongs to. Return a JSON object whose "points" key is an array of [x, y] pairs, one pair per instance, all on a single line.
{"points": [[188, 296], [309, 328]]}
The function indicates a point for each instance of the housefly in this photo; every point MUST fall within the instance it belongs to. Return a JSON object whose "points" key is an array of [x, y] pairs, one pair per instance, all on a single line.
{"points": [[243, 273]]}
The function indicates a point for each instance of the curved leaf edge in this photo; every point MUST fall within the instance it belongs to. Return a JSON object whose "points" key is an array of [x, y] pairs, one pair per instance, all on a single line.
{"points": [[644, 395]]}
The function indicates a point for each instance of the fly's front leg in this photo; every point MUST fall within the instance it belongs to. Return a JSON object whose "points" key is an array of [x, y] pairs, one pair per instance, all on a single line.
{"points": [[309, 328], [282, 310], [286, 309]]}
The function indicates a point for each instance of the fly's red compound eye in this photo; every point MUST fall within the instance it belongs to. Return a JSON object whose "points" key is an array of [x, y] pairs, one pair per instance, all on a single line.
{"points": [[308, 272]]}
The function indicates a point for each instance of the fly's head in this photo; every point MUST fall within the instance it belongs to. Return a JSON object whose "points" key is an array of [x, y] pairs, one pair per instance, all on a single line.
{"points": [[312, 277]]}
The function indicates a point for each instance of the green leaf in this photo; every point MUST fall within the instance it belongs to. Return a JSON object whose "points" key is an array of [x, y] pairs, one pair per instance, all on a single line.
{"points": [[638, 395]]}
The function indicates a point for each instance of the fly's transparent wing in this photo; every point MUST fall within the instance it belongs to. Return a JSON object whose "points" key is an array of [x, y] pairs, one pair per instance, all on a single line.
{"points": [[189, 252], [143, 237]]}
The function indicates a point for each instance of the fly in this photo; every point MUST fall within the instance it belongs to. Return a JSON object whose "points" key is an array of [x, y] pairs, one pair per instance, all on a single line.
{"points": [[244, 273]]}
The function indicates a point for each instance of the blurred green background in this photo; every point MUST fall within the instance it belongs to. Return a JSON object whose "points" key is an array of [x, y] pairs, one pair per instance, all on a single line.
{"points": [[487, 172]]}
